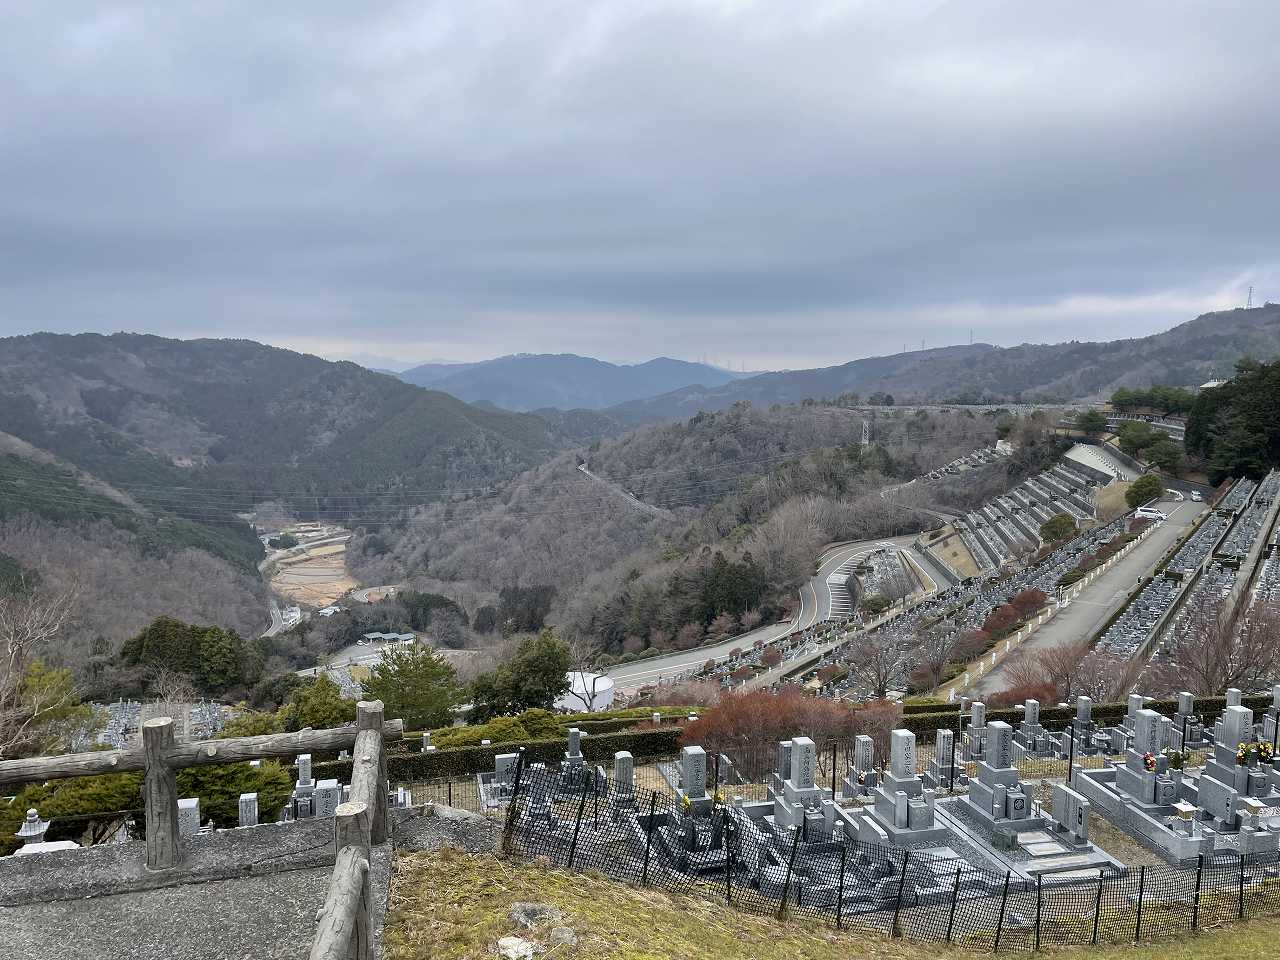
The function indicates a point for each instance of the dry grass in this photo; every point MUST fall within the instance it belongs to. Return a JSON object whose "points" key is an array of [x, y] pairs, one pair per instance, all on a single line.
{"points": [[317, 578], [450, 905]]}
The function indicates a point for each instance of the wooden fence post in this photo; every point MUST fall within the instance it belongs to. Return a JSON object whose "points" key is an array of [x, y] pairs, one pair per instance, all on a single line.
{"points": [[345, 930], [369, 717], [160, 796]]}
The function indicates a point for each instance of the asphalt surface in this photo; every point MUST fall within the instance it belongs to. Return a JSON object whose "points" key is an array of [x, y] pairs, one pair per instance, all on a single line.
{"points": [[1086, 614], [250, 918]]}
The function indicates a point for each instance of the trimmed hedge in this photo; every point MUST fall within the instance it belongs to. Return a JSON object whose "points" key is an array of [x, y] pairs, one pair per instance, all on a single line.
{"points": [[467, 761], [1059, 718]]}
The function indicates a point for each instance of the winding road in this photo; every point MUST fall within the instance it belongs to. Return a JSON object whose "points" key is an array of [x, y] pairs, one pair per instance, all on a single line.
{"points": [[815, 607]]}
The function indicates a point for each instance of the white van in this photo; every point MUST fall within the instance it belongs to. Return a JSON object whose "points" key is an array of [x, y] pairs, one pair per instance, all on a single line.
{"points": [[1149, 513]]}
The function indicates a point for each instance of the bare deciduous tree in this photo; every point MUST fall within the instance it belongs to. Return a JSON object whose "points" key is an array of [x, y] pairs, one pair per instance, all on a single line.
{"points": [[28, 623], [1214, 654], [879, 662]]}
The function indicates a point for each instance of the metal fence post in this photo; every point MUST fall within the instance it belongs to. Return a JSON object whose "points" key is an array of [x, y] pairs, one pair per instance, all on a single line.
{"points": [[1039, 906], [833, 768], [1195, 904], [648, 838], [508, 829], [791, 864], [1097, 908], [728, 859], [577, 825], [1240, 912], [897, 903], [715, 775], [955, 896], [1004, 902], [1142, 889], [844, 858], [449, 793]]}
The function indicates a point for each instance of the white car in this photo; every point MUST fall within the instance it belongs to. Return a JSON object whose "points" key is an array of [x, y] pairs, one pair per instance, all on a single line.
{"points": [[1195, 496], [1149, 513]]}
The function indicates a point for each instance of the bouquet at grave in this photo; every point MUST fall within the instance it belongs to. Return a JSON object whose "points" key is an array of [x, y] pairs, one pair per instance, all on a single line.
{"points": [[1149, 762], [1177, 759], [1247, 753]]}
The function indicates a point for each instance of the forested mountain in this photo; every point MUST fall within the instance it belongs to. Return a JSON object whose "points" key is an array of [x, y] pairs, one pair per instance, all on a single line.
{"points": [[249, 420], [125, 461], [733, 508], [563, 381], [1190, 354]]}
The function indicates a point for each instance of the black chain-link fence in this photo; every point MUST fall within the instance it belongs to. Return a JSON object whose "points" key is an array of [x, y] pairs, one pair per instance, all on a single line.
{"points": [[577, 819]]}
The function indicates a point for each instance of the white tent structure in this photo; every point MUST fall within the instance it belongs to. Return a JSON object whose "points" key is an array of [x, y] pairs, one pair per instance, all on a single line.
{"points": [[588, 692]]}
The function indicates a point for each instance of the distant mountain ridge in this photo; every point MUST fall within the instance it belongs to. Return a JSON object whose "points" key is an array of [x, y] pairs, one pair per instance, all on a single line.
{"points": [[1187, 355], [563, 381]]}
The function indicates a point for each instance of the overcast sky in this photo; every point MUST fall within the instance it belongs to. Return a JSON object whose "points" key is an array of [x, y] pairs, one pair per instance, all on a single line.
{"points": [[775, 184]]}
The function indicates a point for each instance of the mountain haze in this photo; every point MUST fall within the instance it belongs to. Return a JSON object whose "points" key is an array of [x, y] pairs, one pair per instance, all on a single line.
{"points": [[1201, 349], [563, 381]]}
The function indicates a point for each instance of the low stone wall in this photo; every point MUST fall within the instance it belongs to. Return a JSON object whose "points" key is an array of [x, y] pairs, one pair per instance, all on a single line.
{"points": [[113, 868]]}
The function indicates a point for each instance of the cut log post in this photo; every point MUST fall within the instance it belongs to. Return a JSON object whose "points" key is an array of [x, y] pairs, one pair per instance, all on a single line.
{"points": [[160, 795], [345, 928], [369, 716]]}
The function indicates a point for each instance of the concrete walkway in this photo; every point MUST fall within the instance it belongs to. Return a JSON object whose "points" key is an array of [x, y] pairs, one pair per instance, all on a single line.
{"points": [[1087, 613]]}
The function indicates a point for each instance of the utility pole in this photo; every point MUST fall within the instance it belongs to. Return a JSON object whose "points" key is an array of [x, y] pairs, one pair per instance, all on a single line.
{"points": [[1249, 305]]}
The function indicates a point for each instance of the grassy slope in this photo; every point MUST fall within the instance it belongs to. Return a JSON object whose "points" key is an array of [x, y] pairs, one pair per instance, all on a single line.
{"points": [[450, 905]]}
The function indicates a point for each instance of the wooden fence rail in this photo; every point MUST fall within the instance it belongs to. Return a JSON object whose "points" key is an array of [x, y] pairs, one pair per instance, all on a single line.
{"points": [[160, 757]]}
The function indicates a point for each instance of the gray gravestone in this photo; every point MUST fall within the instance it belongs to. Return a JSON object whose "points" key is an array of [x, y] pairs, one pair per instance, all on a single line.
{"points": [[1186, 703], [624, 772], [504, 767], [328, 796], [1084, 709], [864, 753], [784, 759], [188, 816], [575, 742], [1031, 712], [693, 771], [1234, 697], [1000, 744], [248, 809], [1146, 732], [1237, 725], [902, 754], [803, 762]]}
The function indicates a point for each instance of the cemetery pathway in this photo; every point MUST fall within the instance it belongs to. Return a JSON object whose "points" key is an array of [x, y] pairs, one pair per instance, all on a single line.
{"points": [[1087, 614], [249, 918]]}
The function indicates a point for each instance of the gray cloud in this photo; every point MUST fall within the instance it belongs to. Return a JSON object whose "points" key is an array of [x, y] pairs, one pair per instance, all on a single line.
{"points": [[775, 184]]}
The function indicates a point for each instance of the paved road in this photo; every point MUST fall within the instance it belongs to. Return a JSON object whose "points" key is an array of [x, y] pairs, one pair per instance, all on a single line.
{"points": [[277, 621], [815, 607], [1086, 614]]}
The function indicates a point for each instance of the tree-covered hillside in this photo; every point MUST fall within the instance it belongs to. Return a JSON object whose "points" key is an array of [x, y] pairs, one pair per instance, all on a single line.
{"points": [[247, 421], [1236, 427], [1187, 355]]}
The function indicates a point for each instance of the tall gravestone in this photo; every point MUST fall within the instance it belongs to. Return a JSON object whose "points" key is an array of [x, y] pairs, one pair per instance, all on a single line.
{"points": [[903, 809], [248, 809]]}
